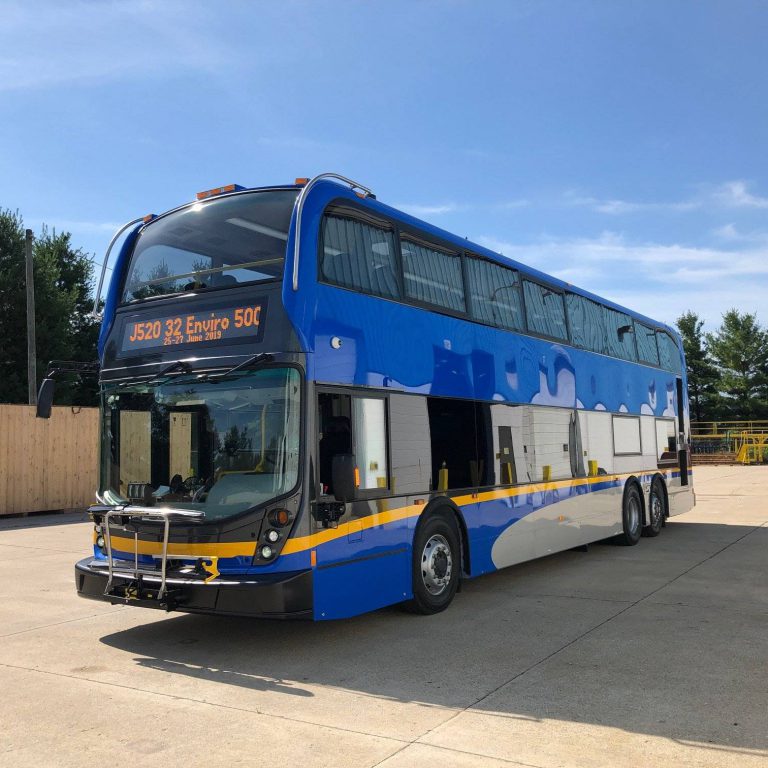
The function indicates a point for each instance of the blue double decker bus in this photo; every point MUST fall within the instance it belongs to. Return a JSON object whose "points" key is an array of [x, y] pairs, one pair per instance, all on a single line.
{"points": [[314, 405]]}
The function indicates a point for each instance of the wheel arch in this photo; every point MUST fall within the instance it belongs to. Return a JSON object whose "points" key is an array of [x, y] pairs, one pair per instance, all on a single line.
{"points": [[633, 480], [447, 506]]}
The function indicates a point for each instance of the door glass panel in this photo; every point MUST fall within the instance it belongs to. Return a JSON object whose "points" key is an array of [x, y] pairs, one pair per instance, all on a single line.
{"points": [[371, 442]]}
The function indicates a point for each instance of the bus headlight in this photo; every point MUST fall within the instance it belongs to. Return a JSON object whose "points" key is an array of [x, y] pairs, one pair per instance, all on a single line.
{"points": [[272, 536], [100, 541], [267, 552]]}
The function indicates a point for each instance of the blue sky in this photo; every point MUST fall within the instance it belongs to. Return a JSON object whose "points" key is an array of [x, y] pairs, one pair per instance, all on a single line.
{"points": [[617, 145]]}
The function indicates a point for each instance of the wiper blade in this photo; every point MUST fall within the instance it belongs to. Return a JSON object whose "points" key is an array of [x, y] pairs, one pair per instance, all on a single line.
{"points": [[252, 362], [177, 366]]}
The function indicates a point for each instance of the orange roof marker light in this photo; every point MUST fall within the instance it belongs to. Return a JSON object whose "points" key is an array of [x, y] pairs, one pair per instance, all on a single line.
{"points": [[301, 181], [149, 217], [219, 191]]}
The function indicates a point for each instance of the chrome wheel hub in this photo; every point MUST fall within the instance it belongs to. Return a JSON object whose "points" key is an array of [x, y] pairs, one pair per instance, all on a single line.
{"points": [[633, 514], [656, 510], [436, 565]]}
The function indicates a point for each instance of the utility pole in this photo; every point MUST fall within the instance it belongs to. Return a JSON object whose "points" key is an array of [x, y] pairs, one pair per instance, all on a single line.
{"points": [[31, 346]]}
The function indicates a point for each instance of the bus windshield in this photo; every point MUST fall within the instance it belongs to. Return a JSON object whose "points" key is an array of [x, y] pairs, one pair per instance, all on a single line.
{"points": [[214, 244], [218, 446]]}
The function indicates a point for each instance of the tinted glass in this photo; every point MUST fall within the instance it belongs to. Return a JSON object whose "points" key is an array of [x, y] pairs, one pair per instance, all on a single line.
{"points": [[214, 244], [669, 354], [619, 335], [544, 310], [433, 276], [646, 344], [586, 322], [359, 256], [495, 294]]}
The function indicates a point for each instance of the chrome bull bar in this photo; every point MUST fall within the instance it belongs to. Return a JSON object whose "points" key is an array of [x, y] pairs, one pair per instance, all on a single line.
{"points": [[166, 514]]}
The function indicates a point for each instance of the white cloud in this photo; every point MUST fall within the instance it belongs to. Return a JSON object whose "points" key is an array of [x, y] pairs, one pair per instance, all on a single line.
{"points": [[428, 210], [660, 280], [730, 194], [616, 207], [50, 43], [730, 233], [736, 194]]}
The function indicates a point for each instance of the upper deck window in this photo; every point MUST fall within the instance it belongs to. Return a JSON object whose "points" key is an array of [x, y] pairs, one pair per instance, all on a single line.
{"points": [[223, 242], [586, 322], [545, 310], [495, 294], [359, 256], [669, 353], [646, 344], [619, 335], [433, 276]]}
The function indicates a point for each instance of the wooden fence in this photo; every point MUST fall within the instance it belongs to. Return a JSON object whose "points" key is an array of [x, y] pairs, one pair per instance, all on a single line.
{"points": [[47, 464]]}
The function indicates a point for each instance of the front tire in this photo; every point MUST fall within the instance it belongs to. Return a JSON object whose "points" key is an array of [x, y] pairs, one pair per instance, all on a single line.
{"points": [[436, 564], [631, 517], [656, 510]]}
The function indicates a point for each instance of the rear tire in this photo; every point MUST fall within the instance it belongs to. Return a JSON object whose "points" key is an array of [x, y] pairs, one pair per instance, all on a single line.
{"points": [[631, 517], [657, 512], [436, 564]]}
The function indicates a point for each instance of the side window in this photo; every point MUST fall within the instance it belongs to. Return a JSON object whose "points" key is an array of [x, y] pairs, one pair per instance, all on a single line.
{"points": [[495, 294], [545, 310], [359, 256], [353, 425], [626, 436], [619, 335], [454, 461], [669, 354], [646, 344], [370, 441], [586, 322], [433, 276], [666, 442]]}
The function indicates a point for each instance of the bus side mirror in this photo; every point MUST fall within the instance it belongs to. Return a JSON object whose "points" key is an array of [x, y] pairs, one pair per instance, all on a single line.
{"points": [[343, 472], [45, 399]]}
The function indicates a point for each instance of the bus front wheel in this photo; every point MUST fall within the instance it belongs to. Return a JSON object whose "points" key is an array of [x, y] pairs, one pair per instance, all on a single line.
{"points": [[631, 516], [436, 564]]}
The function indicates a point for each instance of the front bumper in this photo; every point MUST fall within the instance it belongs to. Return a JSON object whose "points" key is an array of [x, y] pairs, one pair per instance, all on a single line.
{"points": [[274, 596]]}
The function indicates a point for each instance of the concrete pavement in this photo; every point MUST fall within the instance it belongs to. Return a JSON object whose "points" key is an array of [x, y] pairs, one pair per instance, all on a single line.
{"points": [[648, 655]]}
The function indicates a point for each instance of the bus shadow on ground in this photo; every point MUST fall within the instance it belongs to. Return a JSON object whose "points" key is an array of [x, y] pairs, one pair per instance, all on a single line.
{"points": [[43, 519], [665, 638]]}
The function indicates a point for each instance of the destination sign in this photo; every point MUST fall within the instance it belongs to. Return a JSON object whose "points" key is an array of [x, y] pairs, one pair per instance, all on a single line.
{"points": [[215, 325]]}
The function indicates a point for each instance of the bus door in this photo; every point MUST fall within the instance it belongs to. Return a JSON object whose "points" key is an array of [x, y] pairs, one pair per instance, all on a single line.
{"points": [[363, 556]]}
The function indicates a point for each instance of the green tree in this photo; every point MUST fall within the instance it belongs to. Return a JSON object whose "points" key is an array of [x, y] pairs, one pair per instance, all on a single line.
{"points": [[703, 376], [63, 328], [740, 351], [13, 328]]}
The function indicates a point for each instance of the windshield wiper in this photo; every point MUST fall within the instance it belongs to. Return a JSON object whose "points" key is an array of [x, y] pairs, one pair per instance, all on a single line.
{"points": [[177, 366], [252, 362]]}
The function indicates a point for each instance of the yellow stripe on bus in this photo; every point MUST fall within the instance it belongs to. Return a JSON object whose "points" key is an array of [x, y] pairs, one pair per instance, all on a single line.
{"points": [[303, 543]]}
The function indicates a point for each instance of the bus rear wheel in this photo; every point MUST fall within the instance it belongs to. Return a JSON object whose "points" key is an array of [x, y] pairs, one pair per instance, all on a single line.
{"points": [[436, 565], [656, 510], [631, 517]]}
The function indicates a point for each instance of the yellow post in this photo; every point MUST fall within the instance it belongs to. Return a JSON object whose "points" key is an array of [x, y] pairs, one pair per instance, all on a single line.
{"points": [[592, 467], [442, 479], [547, 472]]}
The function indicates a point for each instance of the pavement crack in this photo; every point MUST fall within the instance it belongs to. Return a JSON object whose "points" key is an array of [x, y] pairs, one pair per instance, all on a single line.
{"points": [[59, 623], [203, 702], [588, 632]]}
